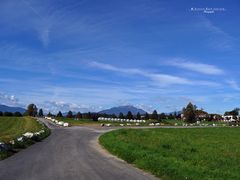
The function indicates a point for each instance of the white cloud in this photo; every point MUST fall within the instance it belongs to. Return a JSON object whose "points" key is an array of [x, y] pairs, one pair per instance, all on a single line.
{"points": [[196, 66], [159, 78], [234, 84], [219, 39], [9, 100]]}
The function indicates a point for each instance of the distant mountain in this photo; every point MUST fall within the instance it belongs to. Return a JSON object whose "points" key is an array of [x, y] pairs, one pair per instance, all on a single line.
{"points": [[5, 108], [123, 109]]}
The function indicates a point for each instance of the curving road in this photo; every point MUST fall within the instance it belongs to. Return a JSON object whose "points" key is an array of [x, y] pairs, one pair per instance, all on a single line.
{"points": [[68, 154]]}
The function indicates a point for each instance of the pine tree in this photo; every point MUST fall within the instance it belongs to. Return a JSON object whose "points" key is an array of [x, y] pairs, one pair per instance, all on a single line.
{"points": [[40, 113], [154, 115], [59, 114], [69, 114], [138, 115], [129, 115], [121, 116]]}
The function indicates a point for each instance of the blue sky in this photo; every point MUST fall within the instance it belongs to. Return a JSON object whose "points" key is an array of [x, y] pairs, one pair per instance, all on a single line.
{"points": [[91, 55]]}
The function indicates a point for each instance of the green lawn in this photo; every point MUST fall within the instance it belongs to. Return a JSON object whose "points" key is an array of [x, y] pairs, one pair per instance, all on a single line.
{"points": [[73, 122], [199, 153], [13, 127]]}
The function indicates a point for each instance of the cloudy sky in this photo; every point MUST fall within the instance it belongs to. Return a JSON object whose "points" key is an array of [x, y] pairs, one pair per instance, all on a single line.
{"points": [[91, 55]]}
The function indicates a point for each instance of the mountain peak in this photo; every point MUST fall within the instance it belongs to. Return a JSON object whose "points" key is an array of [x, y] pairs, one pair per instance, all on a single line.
{"points": [[123, 109]]}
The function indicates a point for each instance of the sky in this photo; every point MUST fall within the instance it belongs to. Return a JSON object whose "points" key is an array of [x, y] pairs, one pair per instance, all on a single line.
{"points": [[91, 55]]}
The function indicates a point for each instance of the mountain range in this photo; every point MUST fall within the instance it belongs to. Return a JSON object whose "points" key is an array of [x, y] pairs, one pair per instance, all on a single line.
{"points": [[5, 108], [122, 109]]}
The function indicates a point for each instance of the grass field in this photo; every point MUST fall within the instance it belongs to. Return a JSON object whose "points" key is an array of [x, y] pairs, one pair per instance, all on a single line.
{"points": [[194, 153], [13, 127]]}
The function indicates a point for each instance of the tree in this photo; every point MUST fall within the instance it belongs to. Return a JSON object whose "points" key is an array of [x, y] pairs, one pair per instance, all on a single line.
{"points": [[138, 115], [40, 113], [170, 116], [113, 116], [49, 114], [146, 116], [121, 116], [59, 114], [7, 114], [129, 115], [17, 114], [234, 112], [79, 115], [162, 116], [190, 113], [69, 114], [154, 115], [32, 110], [1, 113]]}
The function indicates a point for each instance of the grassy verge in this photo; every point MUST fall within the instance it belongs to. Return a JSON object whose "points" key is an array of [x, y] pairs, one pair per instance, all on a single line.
{"points": [[12, 128], [199, 153]]}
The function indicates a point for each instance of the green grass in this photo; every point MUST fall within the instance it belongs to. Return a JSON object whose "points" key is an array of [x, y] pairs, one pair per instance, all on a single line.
{"points": [[199, 153], [73, 122], [13, 127]]}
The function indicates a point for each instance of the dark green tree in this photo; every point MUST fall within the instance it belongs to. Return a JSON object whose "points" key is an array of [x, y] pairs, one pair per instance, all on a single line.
{"points": [[40, 113], [49, 114], [59, 114], [69, 114], [129, 115], [79, 115], [138, 115], [121, 116], [1, 113], [190, 113], [154, 115], [7, 114], [146, 116], [17, 114], [32, 110], [162, 116], [113, 116]]}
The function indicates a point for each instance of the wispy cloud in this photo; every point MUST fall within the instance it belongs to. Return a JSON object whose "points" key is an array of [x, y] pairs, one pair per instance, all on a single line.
{"points": [[196, 66], [233, 84], [218, 39], [160, 78]]}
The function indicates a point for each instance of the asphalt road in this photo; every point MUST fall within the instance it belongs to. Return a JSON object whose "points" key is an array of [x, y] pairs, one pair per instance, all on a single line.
{"points": [[69, 154]]}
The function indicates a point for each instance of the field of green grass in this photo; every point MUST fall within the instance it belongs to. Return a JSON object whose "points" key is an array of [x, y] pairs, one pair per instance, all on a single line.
{"points": [[73, 122], [13, 127], [194, 153]]}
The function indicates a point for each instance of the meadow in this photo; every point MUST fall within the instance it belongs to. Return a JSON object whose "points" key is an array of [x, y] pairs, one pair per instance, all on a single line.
{"points": [[14, 127], [186, 153]]}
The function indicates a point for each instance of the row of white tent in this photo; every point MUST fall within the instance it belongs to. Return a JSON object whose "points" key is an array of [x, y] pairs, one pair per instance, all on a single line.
{"points": [[121, 120], [60, 123]]}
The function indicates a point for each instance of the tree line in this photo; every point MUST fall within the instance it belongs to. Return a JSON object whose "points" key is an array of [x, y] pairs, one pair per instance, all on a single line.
{"points": [[189, 114]]}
